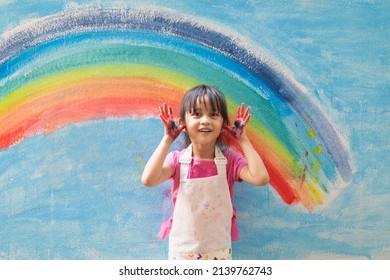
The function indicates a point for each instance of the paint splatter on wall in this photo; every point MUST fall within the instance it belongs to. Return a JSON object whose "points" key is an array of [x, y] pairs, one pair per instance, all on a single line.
{"points": [[79, 95]]}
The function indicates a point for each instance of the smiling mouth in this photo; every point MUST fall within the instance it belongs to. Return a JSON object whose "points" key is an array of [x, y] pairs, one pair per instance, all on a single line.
{"points": [[204, 130]]}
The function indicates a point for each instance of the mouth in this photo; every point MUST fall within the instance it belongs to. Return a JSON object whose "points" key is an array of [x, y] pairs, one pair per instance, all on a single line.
{"points": [[204, 130]]}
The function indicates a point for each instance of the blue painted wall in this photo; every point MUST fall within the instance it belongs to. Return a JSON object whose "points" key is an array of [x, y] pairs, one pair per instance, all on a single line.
{"points": [[339, 50]]}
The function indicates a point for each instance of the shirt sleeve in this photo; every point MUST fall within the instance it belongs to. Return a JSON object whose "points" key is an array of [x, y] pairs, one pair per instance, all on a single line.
{"points": [[236, 162], [171, 159]]}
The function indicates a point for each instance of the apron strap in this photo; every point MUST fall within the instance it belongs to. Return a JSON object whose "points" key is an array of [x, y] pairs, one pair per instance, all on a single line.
{"points": [[186, 159], [220, 161]]}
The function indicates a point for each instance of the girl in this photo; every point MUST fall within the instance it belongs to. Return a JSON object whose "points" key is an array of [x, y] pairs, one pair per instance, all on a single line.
{"points": [[203, 223]]}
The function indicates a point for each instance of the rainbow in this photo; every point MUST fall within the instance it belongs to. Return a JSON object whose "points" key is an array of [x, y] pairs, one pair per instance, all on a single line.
{"points": [[96, 64]]}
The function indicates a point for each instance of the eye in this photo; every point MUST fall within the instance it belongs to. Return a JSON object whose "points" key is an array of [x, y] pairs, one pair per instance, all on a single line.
{"points": [[195, 114], [214, 114]]}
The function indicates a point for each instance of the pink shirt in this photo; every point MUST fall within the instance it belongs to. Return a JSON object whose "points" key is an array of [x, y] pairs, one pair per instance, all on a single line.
{"points": [[205, 168]]}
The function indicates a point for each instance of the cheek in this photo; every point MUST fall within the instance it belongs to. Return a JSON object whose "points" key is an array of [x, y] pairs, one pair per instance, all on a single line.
{"points": [[191, 125], [218, 128], [220, 123]]}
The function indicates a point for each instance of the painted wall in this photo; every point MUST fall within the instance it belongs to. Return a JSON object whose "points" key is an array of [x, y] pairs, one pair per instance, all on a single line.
{"points": [[80, 83]]}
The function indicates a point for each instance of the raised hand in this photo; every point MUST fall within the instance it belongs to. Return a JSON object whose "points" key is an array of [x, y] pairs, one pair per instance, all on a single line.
{"points": [[171, 129], [242, 118]]}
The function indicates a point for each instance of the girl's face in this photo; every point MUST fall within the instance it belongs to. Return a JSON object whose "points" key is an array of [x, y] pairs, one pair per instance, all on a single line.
{"points": [[203, 125]]}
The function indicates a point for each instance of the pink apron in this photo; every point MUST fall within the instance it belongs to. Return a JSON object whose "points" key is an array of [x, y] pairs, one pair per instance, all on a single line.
{"points": [[202, 219]]}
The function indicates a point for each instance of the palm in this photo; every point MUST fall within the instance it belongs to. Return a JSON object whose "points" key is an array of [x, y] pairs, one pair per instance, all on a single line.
{"points": [[242, 119], [166, 116]]}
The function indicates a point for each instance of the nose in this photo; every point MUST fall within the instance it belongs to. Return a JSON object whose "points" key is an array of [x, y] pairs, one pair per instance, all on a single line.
{"points": [[204, 119]]}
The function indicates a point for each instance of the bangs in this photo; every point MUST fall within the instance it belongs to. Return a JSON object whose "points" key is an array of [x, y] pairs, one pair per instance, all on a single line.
{"points": [[201, 94], [205, 99]]}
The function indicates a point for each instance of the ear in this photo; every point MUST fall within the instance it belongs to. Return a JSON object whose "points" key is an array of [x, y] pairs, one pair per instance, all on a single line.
{"points": [[181, 122]]}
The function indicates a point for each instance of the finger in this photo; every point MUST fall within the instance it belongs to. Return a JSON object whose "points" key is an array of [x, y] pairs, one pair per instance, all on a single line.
{"points": [[238, 112], [246, 119], [170, 112], [167, 111], [162, 109], [241, 110], [246, 116], [228, 128], [162, 115], [181, 127], [247, 110], [163, 120], [165, 107]]}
